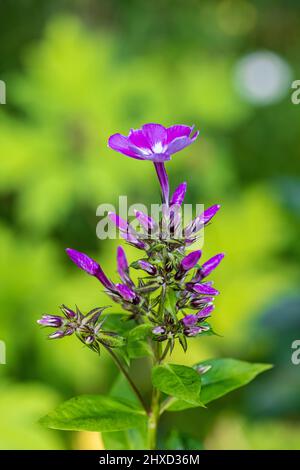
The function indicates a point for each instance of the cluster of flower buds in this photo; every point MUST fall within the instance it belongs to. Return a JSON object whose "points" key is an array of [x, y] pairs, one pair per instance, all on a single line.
{"points": [[172, 282], [88, 328]]}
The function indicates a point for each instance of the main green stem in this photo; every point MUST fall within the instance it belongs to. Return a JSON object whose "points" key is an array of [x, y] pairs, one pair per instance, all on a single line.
{"points": [[153, 419]]}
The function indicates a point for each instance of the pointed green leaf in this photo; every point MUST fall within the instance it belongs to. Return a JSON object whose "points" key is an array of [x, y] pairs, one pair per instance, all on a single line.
{"points": [[94, 413], [224, 376], [178, 381]]}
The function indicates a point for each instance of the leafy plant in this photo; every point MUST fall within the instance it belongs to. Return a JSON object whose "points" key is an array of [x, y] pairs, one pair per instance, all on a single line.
{"points": [[171, 302]]}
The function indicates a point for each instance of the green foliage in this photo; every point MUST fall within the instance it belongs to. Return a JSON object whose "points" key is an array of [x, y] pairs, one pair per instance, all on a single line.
{"points": [[137, 341], [181, 382], [224, 376], [94, 413]]}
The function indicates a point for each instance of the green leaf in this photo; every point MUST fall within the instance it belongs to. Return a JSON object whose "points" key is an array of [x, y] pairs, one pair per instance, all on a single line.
{"points": [[137, 341], [224, 376], [181, 382], [181, 441], [170, 302], [129, 439], [94, 413]]}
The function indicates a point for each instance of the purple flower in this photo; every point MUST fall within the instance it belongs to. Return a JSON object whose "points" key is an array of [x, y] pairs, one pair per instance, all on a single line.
{"points": [[51, 320], [190, 320], [148, 267], [209, 266], [145, 220], [126, 293], [203, 289], [158, 330], [90, 266], [205, 312], [153, 141], [190, 260], [178, 195], [201, 220]]}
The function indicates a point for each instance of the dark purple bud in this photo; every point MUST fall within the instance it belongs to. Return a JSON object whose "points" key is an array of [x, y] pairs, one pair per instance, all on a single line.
{"points": [[158, 330], [190, 260], [163, 181], [209, 266], [201, 369], [90, 266], [190, 320], [148, 267], [204, 289], [205, 312], [145, 220], [70, 314], [193, 331], [69, 331], [89, 340], [178, 195], [125, 292], [51, 320], [57, 334]]}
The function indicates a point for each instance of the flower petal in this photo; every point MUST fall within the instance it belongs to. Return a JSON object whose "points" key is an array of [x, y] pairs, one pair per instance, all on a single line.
{"points": [[156, 135], [178, 130], [120, 143], [180, 143]]}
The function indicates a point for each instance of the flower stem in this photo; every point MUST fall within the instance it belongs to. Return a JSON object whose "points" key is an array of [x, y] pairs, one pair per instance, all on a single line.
{"points": [[128, 378], [153, 419]]}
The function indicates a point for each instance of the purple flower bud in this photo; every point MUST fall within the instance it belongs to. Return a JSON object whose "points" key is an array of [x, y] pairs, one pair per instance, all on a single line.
{"points": [[201, 369], [193, 331], [51, 320], [201, 220], [145, 220], [203, 289], [158, 330], [133, 240], [89, 340], [178, 195], [209, 266], [68, 312], [190, 260], [122, 264], [190, 320], [118, 221], [148, 267], [57, 334], [200, 301], [205, 312], [90, 266], [125, 292]]}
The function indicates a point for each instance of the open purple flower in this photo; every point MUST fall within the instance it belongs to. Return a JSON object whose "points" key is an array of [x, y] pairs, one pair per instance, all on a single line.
{"points": [[153, 141]]}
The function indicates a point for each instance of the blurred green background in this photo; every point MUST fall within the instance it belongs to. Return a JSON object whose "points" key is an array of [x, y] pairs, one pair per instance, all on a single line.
{"points": [[78, 71]]}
